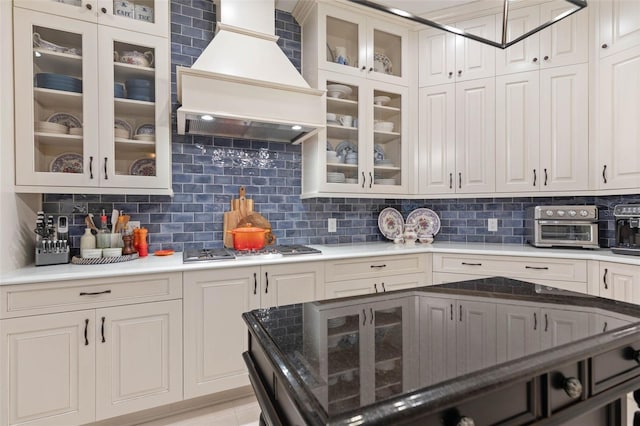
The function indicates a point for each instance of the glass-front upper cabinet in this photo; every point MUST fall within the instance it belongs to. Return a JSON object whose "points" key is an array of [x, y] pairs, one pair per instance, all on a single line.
{"points": [[91, 106], [389, 347], [343, 363], [354, 43], [147, 16]]}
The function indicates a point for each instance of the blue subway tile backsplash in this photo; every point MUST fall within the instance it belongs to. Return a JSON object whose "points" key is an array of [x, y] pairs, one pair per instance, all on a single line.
{"points": [[208, 171]]}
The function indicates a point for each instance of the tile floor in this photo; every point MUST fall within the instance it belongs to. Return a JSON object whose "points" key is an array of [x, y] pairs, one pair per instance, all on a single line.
{"points": [[240, 412]]}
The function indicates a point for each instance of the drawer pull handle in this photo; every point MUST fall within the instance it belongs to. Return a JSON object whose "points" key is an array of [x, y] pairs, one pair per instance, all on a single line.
{"points": [[460, 312], [102, 330], [378, 266], [95, 293], [255, 283], [604, 278], [535, 321], [364, 317], [472, 264], [452, 312], [541, 268], [86, 326], [266, 287], [546, 177], [570, 385], [546, 322]]}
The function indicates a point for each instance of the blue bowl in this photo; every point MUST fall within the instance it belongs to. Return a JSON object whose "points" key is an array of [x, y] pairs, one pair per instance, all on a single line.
{"points": [[57, 78], [138, 83], [60, 86], [141, 98]]}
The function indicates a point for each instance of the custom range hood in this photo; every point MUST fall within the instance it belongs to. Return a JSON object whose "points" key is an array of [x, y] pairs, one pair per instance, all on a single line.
{"points": [[243, 85]]}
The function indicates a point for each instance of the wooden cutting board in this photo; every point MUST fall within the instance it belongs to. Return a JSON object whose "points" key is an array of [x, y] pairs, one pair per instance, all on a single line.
{"points": [[240, 207]]}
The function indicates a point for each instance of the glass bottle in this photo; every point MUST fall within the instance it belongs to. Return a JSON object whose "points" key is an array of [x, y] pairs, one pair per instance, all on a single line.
{"points": [[103, 238]]}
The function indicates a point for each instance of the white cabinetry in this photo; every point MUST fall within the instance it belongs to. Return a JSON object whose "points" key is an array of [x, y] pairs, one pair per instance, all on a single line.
{"points": [[84, 80], [563, 43], [457, 137], [620, 282], [619, 23], [456, 337], [542, 136], [619, 128], [112, 355], [352, 277], [214, 332], [568, 274], [364, 351], [446, 58]]}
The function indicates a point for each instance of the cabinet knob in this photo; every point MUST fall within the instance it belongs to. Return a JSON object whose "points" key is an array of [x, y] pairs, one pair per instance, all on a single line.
{"points": [[572, 387], [88, 6], [546, 58], [465, 421], [453, 417], [459, 72], [370, 69], [535, 59], [632, 354], [450, 73], [605, 45], [363, 68], [103, 10]]}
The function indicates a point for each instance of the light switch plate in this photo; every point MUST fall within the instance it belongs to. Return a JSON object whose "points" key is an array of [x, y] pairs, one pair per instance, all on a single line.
{"points": [[332, 225], [492, 226]]}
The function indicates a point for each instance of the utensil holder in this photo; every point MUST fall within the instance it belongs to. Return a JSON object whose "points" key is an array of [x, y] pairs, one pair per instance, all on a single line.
{"points": [[44, 258]]}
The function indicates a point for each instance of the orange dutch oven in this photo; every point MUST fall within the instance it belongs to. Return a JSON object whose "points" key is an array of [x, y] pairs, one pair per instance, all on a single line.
{"points": [[248, 238]]}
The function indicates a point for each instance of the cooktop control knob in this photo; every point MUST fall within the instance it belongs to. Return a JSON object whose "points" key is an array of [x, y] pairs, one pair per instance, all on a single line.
{"points": [[549, 212], [560, 213], [572, 213], [584, 213]]}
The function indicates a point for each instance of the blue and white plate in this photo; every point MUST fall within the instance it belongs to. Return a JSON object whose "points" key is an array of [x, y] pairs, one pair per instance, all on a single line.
{"points": [[69, 162], [378, 153], [390, 223], [345, 147], [426, 220], [65, 119], [121, 124], [146, 129]]}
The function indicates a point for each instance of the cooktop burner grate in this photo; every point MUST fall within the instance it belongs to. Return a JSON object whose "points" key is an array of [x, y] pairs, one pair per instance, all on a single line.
{"points": [[207, 255]]}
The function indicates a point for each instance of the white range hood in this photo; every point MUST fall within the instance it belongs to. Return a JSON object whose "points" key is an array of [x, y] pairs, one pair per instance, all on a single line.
{"points": [[243, 85]]}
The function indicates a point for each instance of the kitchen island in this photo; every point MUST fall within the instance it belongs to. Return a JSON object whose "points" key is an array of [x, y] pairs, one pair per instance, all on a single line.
{"points": [[484, 351]]}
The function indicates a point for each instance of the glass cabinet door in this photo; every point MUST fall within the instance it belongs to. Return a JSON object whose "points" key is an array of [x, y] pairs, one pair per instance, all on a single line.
{"points": [[387, 52], [343, 363], [56, 95], [389, 344], [343, 163], [133, 97], [388, 136], [86, 10], [342, 41]]}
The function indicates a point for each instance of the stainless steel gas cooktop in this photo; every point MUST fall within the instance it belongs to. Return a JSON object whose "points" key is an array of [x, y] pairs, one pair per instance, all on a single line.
{"points": [[211, 255]]}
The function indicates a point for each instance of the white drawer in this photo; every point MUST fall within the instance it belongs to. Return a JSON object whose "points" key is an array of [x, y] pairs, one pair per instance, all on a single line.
{"points": [[373, 267], [513, 267], [44, 298]]}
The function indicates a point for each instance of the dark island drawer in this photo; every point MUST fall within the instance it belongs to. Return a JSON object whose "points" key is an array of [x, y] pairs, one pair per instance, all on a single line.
{"points": [[615, 366]]}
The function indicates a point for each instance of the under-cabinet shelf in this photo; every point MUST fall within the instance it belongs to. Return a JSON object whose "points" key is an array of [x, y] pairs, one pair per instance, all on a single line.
{"points": [[58, 100]]}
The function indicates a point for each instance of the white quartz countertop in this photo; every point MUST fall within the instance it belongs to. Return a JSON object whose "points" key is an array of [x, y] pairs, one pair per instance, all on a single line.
{"points": [[162, 264]]}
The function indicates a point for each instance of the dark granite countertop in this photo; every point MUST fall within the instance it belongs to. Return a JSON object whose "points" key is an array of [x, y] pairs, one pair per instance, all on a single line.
{"points": [[379, 356]]}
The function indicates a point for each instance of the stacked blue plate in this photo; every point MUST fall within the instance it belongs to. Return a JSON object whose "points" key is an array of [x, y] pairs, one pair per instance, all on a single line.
{"points": [[118, 90], [58, 82], [140, 89]]}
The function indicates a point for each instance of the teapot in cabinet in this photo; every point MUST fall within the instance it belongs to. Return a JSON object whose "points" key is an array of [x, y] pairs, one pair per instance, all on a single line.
{"points": [[134, 58]]}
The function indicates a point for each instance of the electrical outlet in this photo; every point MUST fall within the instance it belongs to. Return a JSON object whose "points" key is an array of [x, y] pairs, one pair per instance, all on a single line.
{"points": [[332, 224], [492, 225]]}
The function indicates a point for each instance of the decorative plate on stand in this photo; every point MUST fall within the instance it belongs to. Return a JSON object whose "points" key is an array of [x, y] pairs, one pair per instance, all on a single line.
{"points": [[391, 223], [426, 220]]}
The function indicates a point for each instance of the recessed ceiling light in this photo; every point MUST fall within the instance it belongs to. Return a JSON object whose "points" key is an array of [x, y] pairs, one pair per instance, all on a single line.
{"points": [[296, 127], [206, 117]]}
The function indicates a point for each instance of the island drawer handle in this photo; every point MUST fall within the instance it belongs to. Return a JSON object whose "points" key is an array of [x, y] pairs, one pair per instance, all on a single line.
{"points": [[604, 278], [378, 266], [472, 264], [95, 293], [541, 268], [571, 385]]}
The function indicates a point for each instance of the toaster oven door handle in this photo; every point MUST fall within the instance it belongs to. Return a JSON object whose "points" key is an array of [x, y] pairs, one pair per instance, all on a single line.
{"points": [[565, 222]]}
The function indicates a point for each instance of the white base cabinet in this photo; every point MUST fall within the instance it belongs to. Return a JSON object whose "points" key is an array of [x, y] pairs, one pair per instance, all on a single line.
{"points": [[215, 334], [619, 282]]}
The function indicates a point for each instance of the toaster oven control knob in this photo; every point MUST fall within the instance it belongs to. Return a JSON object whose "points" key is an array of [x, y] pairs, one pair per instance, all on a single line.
{"points": [[549, 212], [584, 213], [572, 213], [560, 213]]}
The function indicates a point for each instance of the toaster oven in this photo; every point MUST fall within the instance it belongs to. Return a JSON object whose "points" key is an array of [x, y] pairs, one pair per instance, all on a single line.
{"points": [[562, 226]]}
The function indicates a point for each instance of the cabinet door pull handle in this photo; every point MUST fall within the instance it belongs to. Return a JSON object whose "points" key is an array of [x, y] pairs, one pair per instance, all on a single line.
{"points": [[363, 68], [104, 10], [384, 265], [546, 322], [95, 293], [535, 177], [459, 72], [383, 288], [102, 330], [105, 169], [605, 327], [539, 268], [450, 74], [450, 180], [255, 283], [570, 385], [86, 326], [451, 310], [472, 264], [604, 278], [90, 157], [364, 317], [370, 179], [604, 173], [370, 69], [605, 45], [546, 177], [460, 180], [364, 179], [535, 59], [88, 6], [371, 311], [266, 287], [535, 321], [375, 287], [546, 57], [460, 312]]}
